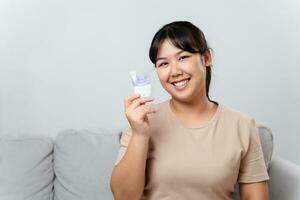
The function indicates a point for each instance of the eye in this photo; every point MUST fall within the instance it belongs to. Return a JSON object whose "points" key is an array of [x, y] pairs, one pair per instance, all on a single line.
{"points": [[183, 57], [162, 64]]}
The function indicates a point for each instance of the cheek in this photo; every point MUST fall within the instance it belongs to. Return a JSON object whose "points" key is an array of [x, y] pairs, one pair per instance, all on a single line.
{"points": [[191, 66], [163, 76], [201, 76]]}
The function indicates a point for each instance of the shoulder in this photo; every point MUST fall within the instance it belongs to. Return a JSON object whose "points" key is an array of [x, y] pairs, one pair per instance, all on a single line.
{"points": [[232, 115], [242, 125]]}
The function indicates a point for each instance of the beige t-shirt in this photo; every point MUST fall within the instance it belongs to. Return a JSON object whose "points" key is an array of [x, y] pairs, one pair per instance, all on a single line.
{"points": [[203, 162]]}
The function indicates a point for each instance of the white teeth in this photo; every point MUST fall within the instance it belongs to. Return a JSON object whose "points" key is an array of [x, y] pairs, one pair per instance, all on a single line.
{"points": [[181, 83]]}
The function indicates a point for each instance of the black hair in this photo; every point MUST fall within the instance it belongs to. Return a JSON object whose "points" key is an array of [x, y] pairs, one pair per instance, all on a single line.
{"points": [[183, 35]]}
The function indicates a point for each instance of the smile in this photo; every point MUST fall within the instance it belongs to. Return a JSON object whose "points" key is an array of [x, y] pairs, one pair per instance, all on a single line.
{"points": [[181, 85]]}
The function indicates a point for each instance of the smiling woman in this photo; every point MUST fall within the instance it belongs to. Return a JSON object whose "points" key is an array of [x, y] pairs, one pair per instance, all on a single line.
{"points": [[180, 44], [188, 147]]}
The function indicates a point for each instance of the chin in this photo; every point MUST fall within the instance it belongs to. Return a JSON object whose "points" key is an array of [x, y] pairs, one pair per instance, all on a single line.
{"points": [[182, 98]]}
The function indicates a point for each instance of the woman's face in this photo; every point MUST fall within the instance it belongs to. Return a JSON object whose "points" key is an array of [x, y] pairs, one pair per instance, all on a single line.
{"points": [[181, 73]]}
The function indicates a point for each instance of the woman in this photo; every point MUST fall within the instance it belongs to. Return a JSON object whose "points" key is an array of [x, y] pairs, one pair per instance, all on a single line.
{"points": [[188, 147]]}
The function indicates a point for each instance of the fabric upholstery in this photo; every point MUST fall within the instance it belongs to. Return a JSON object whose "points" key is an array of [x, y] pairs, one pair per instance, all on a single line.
{"points": [[83, 162], [26, 170]]}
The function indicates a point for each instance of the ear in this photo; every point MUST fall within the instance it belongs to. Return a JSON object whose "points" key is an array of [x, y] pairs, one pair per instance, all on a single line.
{"points": [[207, 58]]}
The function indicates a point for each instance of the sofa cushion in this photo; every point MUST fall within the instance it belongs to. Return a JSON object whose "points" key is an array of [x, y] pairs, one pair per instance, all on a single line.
{"points": [[26, 170], [266, 139], [83, 163], [285, 181]]}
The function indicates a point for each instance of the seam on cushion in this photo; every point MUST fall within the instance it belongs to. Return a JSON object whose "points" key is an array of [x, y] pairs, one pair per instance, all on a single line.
{"points": [[47, 140], [96, 130], [65, 134], [82, 132], [106, 134], [24, 137]]}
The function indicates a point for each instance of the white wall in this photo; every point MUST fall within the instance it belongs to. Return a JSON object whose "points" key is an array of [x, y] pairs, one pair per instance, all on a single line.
{"points": [[65, 64]]}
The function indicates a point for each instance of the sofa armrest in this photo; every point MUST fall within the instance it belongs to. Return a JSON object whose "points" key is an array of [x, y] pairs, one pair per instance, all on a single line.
{"points": [[284, 180]]}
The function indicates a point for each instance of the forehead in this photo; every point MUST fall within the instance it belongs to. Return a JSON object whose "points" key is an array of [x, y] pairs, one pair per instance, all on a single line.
{"points": [[167, 49]]}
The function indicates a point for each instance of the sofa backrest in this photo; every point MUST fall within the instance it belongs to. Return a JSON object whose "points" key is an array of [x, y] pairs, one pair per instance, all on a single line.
{"points": [[26, 170], [80, 160], [83, 163]]}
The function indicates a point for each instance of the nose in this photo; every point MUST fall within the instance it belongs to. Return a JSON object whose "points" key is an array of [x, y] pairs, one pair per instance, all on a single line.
{"points": [[175, 69]]}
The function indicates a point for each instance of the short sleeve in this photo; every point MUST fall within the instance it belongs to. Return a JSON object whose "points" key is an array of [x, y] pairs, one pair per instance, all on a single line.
{"points": [[253, 168], [124, 141]]}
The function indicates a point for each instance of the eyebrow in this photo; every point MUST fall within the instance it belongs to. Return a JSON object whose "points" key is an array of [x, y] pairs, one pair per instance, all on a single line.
{"points": [[162, 58]]}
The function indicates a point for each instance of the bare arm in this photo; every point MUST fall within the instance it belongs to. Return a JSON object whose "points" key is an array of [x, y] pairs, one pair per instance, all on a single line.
{"points": [[128, 177], [254, 191]]}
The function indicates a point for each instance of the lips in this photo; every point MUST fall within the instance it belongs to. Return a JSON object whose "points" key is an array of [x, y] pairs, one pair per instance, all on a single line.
{"points": [[181, 85], [180, 81]]}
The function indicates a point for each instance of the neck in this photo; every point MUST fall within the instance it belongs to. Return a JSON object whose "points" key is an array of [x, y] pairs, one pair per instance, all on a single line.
{"points": [[195, 107]]}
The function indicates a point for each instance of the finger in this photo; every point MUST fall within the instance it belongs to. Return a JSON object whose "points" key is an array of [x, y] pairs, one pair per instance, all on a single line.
{"points": [[128, 100], [140, 101], [151, 110], [148, 110], [148, 106]]}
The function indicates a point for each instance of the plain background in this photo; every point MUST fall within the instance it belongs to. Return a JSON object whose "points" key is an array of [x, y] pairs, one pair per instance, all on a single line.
{"points": [[66, 64]]}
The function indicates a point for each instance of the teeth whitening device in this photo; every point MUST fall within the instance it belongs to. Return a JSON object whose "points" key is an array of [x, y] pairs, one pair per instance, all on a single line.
{"points": [[141, 84]]}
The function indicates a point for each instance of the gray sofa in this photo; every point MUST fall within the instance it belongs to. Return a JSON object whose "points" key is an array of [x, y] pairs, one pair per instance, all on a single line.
{"points": [[77, 164]]}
